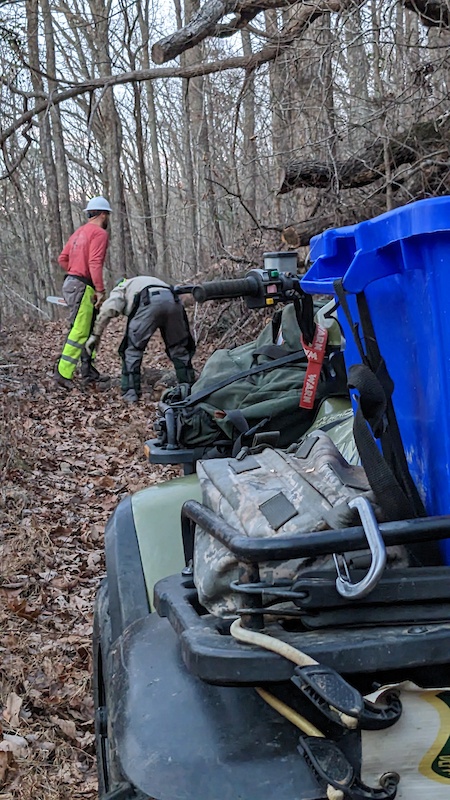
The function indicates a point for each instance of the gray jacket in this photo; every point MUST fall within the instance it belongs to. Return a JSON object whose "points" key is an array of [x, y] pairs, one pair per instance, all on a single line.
{"points": [[121, 299]]}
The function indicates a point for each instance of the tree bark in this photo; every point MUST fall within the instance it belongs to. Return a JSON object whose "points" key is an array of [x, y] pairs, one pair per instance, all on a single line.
{"points": [[120, 254], [62, 176], [52, 220]]}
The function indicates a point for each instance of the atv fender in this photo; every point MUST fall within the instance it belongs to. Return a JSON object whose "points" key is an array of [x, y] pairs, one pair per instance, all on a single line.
{"points": [[177, 738], [142, 545]]}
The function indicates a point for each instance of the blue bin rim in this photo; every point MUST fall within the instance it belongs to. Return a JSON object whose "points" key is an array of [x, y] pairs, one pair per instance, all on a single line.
{"points": [[423, 217]]}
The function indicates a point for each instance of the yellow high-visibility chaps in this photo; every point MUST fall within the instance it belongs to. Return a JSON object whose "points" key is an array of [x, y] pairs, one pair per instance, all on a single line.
{"points": [[79, 297]]}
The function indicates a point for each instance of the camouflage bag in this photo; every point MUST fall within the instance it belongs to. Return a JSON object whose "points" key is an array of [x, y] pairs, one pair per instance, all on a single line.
{"points": [[267, 494]]}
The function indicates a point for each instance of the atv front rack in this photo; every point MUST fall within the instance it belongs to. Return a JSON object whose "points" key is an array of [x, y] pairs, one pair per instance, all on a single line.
{"points": [[404, 622], [212, 654]]}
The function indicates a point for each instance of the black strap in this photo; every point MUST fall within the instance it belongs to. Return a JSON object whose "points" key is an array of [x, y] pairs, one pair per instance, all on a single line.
{"points": [[354, 326], [238, 420], [138, 297], [276, 324], [391, 440], [298, 355], [388, 474], [371, 407], [304, 312], [82, 278], [248, 433]]}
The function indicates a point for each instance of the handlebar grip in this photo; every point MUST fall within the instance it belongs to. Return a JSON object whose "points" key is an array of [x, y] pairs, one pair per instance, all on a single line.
{"points": [[218, 290]]}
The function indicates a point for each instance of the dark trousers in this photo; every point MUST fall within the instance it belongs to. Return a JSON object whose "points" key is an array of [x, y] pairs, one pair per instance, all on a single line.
{"points": [[157, 309]]}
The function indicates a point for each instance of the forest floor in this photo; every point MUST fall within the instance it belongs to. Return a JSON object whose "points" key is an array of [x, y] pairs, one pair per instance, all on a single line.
{"points": [[66, 460]]}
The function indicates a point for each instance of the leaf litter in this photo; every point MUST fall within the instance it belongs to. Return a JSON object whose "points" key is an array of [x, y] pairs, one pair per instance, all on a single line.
{"points": [[66, 461]]}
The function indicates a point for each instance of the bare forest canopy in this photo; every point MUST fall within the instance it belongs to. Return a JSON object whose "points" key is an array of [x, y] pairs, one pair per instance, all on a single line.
{"points": [[217, 131]]}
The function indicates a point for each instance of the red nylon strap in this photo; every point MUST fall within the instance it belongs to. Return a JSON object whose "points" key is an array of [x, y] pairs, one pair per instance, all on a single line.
{"points": [[315, 354]]}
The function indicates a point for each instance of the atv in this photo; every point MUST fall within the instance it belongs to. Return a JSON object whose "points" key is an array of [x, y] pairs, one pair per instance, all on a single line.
{"points": [[288, 704]]}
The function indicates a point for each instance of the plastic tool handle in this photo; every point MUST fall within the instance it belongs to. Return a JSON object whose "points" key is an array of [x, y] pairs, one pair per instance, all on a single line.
{"points": [[347, 589], [218, 290]]}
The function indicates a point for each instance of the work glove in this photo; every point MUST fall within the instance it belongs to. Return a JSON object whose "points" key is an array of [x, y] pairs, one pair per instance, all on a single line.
{"points": [[99, 298], [92, 344]]}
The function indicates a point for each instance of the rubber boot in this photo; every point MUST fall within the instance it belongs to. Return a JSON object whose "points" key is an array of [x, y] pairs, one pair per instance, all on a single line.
{"points": [[130, 384], [184, 372], [66, 383], [89, 374], [130, 396]]}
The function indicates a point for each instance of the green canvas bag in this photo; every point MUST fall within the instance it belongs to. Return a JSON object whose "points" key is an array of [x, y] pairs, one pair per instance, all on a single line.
{"points": [[256, 388]]}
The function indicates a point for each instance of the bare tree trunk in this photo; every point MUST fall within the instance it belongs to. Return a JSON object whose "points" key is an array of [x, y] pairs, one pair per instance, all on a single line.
{"points": [[189, 254], [120, 250], [249, 147], [359, 106], [62, 176], [52, 221], [159, 211], [278, 79], [151, 253], [210, 236]]}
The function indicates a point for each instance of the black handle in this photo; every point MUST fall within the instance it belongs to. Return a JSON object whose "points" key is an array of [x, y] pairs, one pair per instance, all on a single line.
{"points": [[218, 290]]}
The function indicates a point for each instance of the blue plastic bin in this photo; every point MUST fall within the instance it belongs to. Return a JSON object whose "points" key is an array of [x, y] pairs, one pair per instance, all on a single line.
{"points": [[401, 260]]}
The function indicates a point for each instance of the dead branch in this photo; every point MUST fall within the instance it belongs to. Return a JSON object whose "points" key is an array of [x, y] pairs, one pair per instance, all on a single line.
{"points": [[267, 53], [204, 22], [200, 26], [403, 148], [432, 13], [427, 178]]}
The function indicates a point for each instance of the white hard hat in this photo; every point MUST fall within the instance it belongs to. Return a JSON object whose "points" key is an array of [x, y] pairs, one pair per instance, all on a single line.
{"points": [[98, 204]]}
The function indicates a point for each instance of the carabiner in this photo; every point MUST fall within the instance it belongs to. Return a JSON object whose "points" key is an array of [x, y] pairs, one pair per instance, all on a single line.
{"points": [[344, 585]]}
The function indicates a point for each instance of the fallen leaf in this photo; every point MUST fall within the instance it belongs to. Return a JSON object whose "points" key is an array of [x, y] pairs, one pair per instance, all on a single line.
{"points": [[12, 710], [13, 744], [6, 761], [67, 726], [22, 609]]}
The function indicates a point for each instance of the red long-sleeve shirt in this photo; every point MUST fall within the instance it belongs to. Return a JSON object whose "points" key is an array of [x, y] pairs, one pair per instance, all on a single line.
{"points": [[85, 253]]}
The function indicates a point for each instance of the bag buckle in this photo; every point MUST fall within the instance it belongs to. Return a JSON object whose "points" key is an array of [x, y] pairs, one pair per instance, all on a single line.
{"points": [[344, 585]]}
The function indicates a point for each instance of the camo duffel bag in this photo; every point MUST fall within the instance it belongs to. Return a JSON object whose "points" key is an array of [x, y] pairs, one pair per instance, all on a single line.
{"points": [[273, 493]]}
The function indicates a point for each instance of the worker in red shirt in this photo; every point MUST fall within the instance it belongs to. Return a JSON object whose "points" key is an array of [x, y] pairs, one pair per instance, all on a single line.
{"points": [[83, 290]]}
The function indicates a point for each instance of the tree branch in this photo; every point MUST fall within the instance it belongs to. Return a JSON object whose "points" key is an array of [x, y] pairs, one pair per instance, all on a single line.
{"points": [[432, 13], [403, 148], [429, 178], [267, 53], [204, 22]]}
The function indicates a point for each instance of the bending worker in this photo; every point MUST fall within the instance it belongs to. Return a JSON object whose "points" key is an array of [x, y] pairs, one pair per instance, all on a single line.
{"points": [[149, 304], [83, 290]]}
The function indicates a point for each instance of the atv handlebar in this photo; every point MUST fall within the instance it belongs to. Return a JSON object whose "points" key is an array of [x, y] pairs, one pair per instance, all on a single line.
{"points": [[260, 287], [219, 290]]}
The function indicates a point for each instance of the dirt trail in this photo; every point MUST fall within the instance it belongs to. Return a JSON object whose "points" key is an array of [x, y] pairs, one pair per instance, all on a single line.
{"points": [[66, 459]]}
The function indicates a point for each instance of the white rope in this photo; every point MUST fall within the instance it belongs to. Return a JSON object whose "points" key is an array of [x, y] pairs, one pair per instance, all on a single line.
{"points": [[285, 650], [22, 299]]}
